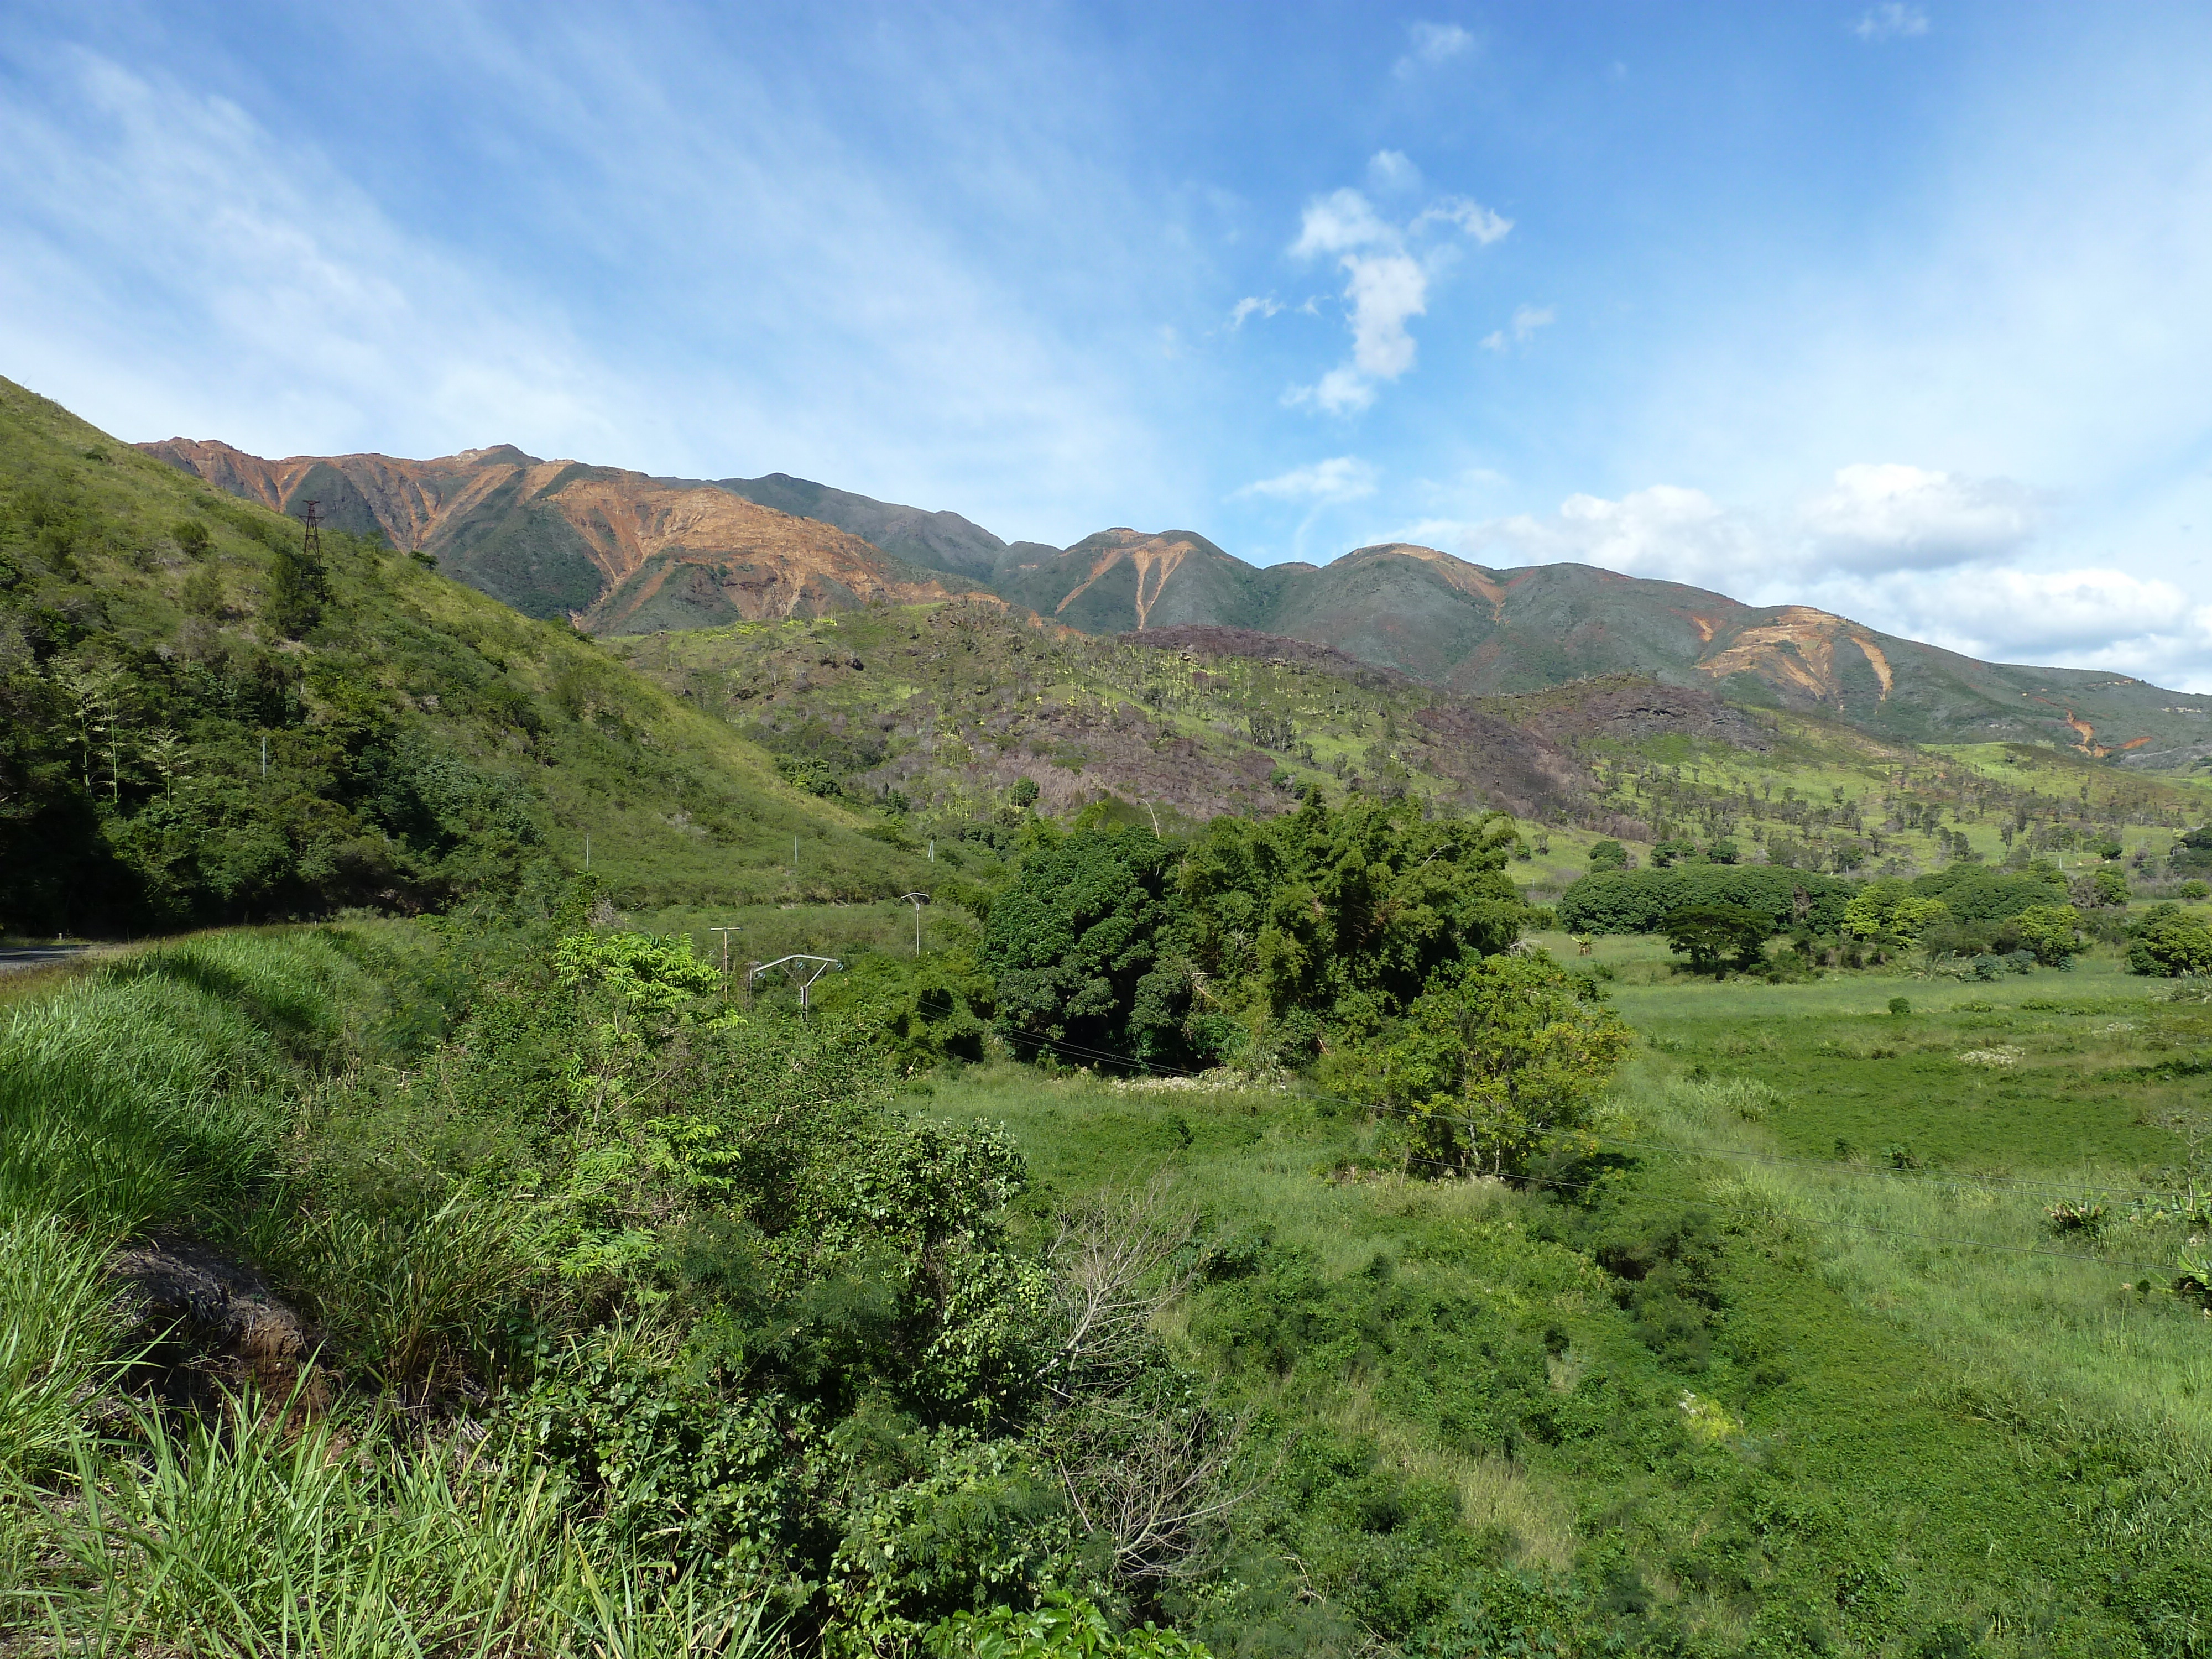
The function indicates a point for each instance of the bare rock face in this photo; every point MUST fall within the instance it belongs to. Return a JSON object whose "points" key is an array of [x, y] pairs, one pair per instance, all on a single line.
{"points": [[212, 1323]]}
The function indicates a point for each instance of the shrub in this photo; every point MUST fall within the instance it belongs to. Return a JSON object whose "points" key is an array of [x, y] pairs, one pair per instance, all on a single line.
{"points": [[1639, 901], [2166, 942], [2100, 890], [1492, 1065], [2192, 850], [1608, 855], [921, 1011], [2050, 932]]}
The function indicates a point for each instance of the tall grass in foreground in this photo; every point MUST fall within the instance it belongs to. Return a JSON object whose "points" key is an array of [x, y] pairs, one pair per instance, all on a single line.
{"points": [[2075, 1330], [233, 1539], [151, 1096], [59, 1327], [148, 1094]]}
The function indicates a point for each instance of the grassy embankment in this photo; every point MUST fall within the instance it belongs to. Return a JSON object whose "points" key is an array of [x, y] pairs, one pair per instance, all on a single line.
{"points": [[1726, 1384], [155, 1099]]}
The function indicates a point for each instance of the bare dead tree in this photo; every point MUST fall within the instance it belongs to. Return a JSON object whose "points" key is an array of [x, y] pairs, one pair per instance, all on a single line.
{"points": [[1114, 1272], [1145, 1467], [1152, 1482]]}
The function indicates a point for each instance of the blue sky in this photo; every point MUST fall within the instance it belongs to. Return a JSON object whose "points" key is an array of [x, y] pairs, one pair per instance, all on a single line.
{"points": [[1897, 309]]}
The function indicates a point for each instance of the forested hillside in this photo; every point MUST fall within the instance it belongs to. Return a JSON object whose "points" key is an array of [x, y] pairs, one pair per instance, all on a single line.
{"points": [[203, 722]]}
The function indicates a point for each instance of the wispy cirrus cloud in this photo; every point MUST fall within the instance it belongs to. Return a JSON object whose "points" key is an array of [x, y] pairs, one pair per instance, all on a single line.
{"points": [[1430, 45], [185, 260], [1388, 269], [1891, 22], [1341, 478], [1251, 306]]}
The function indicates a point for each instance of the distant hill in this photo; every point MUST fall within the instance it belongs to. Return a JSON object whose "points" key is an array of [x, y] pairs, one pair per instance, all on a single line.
{"points": [[1488, 632], [626, 553], [617, 551]]}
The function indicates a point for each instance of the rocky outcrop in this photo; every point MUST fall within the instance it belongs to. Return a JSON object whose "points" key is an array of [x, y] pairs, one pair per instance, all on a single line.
{"points": [[209, 1325]]}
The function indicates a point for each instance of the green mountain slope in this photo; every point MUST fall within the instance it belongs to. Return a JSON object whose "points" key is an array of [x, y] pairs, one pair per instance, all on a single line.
{"points": [[196, 724], [1490, 632], [959, 722], [626, 553]]}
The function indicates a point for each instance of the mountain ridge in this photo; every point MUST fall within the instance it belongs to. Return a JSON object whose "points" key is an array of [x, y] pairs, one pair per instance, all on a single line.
{"points": [[616, 550], [624, 552]]}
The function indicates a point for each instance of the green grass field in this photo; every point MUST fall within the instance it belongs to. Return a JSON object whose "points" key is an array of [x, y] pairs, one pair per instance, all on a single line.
{"points": [[1917, 1413]]}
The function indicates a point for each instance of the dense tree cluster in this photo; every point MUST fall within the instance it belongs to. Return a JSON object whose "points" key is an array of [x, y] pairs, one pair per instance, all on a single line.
{"points": [[1255, 937]]}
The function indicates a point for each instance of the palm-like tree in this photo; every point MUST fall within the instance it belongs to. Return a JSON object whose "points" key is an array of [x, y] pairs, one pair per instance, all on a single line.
{"points": [[96, 694], [169, 755]]}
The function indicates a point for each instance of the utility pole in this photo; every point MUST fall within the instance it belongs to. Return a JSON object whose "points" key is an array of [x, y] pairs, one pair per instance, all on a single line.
{"points": [[587, 849], [311, 528], [725, 932], [264, 757], [800, 969], [917, 900]]}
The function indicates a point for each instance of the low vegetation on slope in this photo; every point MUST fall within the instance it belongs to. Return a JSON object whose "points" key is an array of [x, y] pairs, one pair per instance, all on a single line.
{"points": [[201, 721], [528, 1289]]}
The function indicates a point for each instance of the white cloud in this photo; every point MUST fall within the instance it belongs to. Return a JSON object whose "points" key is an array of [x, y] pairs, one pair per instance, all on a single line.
{"points": [[1873, 522], [1476, 220], [1432, 43], [1390, 170], [1386, 290], [1386, 285], [2042, 613], [1339, 391], [1919, 554], [1894, 516], [1339, 221], [1527, 319], [1251, 306], [1891, 22], [1343, 479]]}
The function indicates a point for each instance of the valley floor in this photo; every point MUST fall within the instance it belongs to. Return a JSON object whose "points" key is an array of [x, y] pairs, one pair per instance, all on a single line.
{"points": [[1889, 1406]]}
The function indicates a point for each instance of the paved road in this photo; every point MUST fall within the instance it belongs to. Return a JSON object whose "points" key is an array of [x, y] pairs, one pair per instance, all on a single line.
{"points": [[36, 956]]}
